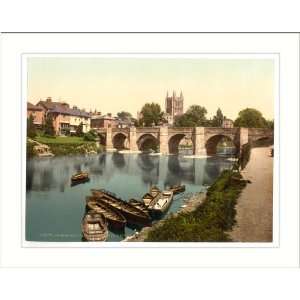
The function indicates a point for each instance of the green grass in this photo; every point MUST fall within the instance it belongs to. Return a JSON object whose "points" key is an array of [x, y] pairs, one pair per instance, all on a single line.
{"points": [[67, 145], [211, 221], [60, 140]]}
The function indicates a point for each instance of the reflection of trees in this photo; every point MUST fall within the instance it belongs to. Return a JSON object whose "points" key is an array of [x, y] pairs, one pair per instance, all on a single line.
{"points": [[29, 176], [179, 170], [149, 168], [213, 167], [118, 160], [47, 179], [147, 162]]}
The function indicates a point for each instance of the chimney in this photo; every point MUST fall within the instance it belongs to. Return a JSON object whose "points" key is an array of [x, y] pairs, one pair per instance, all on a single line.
{"points": [[48, 100]]}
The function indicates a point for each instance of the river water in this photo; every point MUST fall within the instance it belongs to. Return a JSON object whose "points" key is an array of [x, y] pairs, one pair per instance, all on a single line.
{"points": [[54, 208]]}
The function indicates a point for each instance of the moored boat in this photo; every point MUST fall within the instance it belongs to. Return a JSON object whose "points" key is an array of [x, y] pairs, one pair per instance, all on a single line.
{"points": [[176, 189], [132, 214], [154, 191], [94, 227], [152, 194], [162, 204], [80, 177], [139, 204], [114, 218], [147, 198]]}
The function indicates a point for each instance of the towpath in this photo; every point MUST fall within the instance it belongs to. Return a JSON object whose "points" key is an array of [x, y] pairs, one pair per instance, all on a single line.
{"points": [[255, 204]]}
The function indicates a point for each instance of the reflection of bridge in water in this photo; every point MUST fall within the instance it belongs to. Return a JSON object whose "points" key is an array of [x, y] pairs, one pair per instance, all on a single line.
{"points": [[55, 173], [204, 139]]}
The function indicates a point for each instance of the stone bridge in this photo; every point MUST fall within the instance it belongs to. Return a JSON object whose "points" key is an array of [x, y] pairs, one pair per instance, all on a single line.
{"points": [[167, 139]]}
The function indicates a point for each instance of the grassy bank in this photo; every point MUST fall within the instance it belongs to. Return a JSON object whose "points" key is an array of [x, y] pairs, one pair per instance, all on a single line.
{"points": [[60, 140], [211, 221], [67, 145]]}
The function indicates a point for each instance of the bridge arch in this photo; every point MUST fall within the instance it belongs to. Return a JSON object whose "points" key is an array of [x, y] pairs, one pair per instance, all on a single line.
{"points": [[174, 141], [262, 141], [119, 141], [213, 141], [147, 141]]}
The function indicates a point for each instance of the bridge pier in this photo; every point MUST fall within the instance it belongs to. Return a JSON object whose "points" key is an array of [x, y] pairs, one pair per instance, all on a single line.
{"points": [[163, 140], [199, 141], [109, 143], [244, 137], [132, 139]]}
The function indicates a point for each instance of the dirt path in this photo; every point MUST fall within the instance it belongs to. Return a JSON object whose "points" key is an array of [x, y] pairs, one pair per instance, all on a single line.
{"points": [[255, 204]]}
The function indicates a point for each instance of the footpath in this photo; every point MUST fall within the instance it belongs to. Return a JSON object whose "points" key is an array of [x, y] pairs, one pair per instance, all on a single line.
{"points": [[255, 204]]}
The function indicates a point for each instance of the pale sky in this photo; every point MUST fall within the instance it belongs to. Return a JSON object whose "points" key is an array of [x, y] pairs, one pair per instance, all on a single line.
{"points": [[117, 84]]}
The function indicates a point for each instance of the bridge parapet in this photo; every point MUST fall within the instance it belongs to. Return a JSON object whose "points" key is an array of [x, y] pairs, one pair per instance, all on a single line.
{"points": [[120, 130], [147, 129], [180, 130]]}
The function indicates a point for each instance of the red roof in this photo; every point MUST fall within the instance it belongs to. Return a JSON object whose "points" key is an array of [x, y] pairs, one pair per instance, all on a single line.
{"points": [[30, 106]]}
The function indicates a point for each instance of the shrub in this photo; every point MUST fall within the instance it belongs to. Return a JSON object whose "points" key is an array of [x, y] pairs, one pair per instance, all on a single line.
{"points": [[211, 221], [30, 150], [89, 137], [31, 130]]}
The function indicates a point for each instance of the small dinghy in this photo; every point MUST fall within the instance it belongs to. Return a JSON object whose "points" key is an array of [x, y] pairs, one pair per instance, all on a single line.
{"points": [[139, 204], [132, 214], [161, 204], [177, 189], [94, 227], [79, 178], [148, 197], [114, 218]]}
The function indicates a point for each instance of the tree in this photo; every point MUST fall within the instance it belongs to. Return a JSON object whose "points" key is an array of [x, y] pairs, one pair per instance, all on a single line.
{"points": [[124, 115], [79, 129], [195, 116], [152, 114], [270, 124], [217, 120], [31, 130], [250, 118], [49, 129]]}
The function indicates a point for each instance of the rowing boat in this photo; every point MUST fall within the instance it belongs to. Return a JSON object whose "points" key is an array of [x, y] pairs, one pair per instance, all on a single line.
{"points": [[132, 214], [176, 189], [161, 204], [114, 218], [94, 227], [80, 177], [139, 204]]}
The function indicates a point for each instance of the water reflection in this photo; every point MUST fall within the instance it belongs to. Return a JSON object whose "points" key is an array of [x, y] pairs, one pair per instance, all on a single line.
{"points": [[47, 174], [54, 208]]}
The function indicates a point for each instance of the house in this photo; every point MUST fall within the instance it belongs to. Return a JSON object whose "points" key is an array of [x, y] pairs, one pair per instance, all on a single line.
{"points": [[227, 123], [65, 119], [105, 121], [77, 117], [37, 113]]}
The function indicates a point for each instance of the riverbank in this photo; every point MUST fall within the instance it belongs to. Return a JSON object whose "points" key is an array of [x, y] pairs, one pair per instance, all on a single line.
{"points": [[255, 204], [63, 146], [190, 205], [206, 218]]}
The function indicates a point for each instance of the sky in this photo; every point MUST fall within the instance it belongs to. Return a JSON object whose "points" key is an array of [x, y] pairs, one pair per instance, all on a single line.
{"points": [[126, 84]]}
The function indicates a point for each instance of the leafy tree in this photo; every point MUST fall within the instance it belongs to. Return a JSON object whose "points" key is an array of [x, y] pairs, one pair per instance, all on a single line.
{"points": [[152, 114], [48, 127], [79, 129], [195, 116], [31, 130], [251, 118], [270, 124], [124, 115], [217, 120]]}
